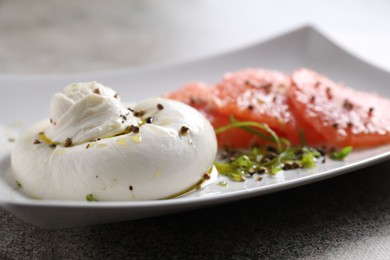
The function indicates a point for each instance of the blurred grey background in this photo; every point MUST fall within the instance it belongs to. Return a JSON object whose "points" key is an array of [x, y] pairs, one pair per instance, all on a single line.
{"points": [[44, 36]]}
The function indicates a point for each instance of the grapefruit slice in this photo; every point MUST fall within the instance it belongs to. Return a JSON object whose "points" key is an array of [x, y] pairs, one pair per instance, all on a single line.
{"points": [[344, 116], [262, 96]]}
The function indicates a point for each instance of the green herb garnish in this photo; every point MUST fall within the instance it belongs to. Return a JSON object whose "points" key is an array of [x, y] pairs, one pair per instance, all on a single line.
{"points": [[302, 137], [90, 197], [340, 155], [308, 160], [247, 125], [18, 184], [238, 165], [222, 183]]}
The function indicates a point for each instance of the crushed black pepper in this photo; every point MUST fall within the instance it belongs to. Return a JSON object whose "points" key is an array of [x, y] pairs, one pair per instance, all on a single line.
{"points": [[248, 84], [206, 176], [139, 113], [267, 87], [250, 107], [135, 129], [184, 130], [291, 166], [37, 141], [149, 120], [196, 101], [347, 105], [53, 146], [370, 111], [328, 93], [97, 91], [130, 187], [160, 107], [68, 142], [335, 125], [116, 95], [129, 128]]}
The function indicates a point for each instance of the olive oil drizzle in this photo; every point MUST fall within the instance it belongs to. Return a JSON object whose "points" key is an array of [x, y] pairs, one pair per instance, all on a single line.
{"points": [[193, 187]]}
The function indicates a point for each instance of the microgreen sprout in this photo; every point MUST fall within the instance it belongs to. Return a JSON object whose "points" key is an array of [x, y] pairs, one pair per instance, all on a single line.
{"points": [[90, 197], [342, 154], [238, 165]]}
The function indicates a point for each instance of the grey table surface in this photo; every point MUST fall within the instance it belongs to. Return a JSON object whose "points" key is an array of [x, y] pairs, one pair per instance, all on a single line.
{"points": [[347, 217]]}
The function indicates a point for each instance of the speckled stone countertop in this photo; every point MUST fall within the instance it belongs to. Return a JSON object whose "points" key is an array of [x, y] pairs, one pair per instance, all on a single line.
{"points": [[347, 217]]}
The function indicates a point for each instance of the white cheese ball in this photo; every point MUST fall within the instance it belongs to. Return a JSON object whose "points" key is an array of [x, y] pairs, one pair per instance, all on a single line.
{"points": [[167, 156]]}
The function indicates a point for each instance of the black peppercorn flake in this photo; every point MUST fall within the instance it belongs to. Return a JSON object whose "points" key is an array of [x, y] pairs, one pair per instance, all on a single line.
{"points": [[184, 130], [135, 129], [129, 128], [248, 84], [206, 176], [139, 113], [130, 187], [97, 91], [348, 105], [53, 146], [192, 100], [328, 92], [370, 111], [37, 141], [149, 120], [68, 142], [160, 107]]}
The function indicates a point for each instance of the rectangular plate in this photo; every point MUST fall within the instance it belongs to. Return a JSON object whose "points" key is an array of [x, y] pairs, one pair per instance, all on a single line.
{"points": [[25, 99]]}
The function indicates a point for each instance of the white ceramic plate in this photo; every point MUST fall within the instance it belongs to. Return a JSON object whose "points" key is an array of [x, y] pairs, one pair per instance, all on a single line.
{"points": [[25, 99]]}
